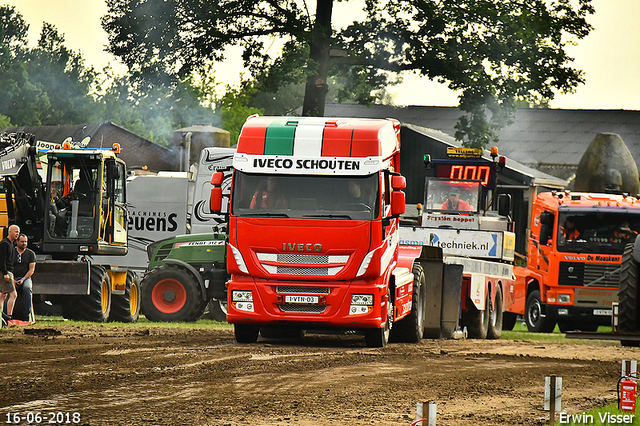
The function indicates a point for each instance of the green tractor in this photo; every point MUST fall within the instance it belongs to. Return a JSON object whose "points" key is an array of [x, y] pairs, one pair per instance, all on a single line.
{"points": [[187, 274]]}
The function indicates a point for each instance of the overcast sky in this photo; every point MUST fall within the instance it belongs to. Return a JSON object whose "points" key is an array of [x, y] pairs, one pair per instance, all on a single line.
{"points": [[610, 55]]}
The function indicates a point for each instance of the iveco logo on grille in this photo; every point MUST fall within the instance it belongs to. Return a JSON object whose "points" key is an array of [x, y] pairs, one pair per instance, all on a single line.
{"points": [[301, 247]]}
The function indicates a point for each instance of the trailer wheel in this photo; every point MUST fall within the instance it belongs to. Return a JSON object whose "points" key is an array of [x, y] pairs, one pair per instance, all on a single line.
{"points": [[628, 295], [171, 294], [126, 307], [536, 323], [495, 315], [379, 337], [246, 333], [95, 306], [411, 328], [509, 320], [478, 321]]}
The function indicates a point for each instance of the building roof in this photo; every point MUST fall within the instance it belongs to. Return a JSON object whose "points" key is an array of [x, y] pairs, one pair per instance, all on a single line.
{"points": [[137, 151], [552, 140]]}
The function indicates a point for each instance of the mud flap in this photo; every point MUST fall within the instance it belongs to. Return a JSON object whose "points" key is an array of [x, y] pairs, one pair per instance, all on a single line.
{"points": [[62, 277], [451, 300]]}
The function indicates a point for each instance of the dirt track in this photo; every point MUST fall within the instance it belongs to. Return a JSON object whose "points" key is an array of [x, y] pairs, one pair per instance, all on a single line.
{"points": [[140, 376]]}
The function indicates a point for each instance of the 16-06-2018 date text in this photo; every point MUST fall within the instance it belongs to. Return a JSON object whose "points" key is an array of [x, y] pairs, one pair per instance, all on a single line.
{"points": [[43, 418]]}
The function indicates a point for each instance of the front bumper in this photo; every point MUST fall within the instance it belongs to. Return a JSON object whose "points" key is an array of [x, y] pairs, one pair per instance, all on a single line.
{"points": [[333, 308]]}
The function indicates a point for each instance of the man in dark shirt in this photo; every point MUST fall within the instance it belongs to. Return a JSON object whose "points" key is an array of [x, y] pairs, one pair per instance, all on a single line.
{"points": [[7, 287], [23, 268]]}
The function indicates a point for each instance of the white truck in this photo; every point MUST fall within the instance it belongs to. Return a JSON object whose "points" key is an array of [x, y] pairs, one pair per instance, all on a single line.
{"points": [[469, 234]]}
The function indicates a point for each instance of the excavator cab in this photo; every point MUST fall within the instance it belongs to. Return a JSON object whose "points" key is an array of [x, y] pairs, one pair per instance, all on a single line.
{"points": [[85, 203]]}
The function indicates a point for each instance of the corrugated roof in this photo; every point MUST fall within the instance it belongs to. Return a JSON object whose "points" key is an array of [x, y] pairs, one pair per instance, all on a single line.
{"points": [[538, 138]]}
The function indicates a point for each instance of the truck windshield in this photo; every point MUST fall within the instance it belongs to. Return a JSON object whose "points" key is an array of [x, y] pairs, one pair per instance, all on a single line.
{"points": [[450, 196], [596, 232], [312, 197]]}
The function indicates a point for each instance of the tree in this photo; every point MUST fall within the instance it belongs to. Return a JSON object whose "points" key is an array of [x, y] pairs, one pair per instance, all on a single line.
{"points": [[496, 52]]}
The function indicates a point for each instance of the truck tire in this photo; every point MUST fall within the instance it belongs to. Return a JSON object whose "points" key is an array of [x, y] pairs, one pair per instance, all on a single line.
{"points": [[536, 323], [126, 307], [477, 321], [628, 295], [411, 328], [495, 315], [379, 337], [96, 306], [246, 333], [509, 320], [171, 294]]}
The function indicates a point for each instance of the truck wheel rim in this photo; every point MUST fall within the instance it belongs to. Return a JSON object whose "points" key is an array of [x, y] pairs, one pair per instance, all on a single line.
{"points": [[534, 312], [133, 299], [104, 296], [169, 296]]}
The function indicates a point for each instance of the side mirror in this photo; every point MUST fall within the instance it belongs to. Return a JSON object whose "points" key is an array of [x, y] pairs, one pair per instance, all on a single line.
{"points": [[217, 178], [504, 204], [215, 200], [398, 182], [398, 200]]}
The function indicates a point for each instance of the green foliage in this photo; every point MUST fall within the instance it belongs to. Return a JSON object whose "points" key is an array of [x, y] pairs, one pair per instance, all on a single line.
{"points": [[234, 109], [497, 53]]}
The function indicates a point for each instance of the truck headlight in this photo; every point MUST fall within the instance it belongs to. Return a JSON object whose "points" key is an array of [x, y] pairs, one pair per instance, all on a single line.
{"points": [[361, 304], [242, 300], [241, 296], [564, 298]]}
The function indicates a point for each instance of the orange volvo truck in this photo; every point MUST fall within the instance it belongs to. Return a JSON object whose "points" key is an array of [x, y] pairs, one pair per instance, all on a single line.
{"points": [[313, 232], [575, 246]]}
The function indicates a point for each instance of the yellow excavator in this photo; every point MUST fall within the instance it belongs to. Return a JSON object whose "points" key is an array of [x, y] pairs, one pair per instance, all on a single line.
{"points": [[78, 210]]}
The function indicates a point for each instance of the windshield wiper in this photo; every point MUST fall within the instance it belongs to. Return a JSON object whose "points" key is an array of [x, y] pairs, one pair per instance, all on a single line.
{"points": [[329, 216], [268, 215]]}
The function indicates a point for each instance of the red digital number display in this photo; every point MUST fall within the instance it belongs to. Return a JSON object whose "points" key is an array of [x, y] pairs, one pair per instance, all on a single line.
{"points": [[468, 172], [484, 172]]}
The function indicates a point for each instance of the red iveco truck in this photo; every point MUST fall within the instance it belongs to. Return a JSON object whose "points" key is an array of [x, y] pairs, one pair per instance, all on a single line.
{"points": [[313, 231]]}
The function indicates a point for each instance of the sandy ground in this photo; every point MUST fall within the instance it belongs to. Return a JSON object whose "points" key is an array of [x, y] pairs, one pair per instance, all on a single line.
{"points": [[116, 375]]}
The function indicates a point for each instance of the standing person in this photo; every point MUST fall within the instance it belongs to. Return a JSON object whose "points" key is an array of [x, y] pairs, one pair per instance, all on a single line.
{"points": [[24, 266], [7, 287]]}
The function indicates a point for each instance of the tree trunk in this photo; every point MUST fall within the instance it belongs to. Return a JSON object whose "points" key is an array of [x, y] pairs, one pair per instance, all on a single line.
{"points": [[316, 88]]}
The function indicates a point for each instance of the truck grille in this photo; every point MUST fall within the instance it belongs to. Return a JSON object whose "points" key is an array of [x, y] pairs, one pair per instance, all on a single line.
{"points": [[311, 309], [302, 264], [302, 290], [581, 274]]}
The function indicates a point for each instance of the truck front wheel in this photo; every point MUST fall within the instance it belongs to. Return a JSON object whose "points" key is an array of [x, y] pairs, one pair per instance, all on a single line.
{"points": [[410, 328], [171, 294], [379, 337], [536, 323]]}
